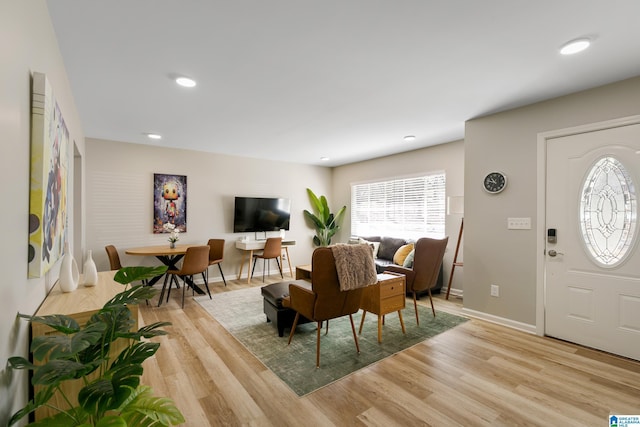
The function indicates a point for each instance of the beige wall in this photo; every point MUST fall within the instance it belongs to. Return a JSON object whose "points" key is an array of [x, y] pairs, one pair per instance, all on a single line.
{"points": [[446, 157], [119, 198], [507, 142], [28, 45], [117, 188]]}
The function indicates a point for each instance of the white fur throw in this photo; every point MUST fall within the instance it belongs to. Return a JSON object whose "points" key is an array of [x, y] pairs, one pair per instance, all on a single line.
{"points": [[355, 266]]}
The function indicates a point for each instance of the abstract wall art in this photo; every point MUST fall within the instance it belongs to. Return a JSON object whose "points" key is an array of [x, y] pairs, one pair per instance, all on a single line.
{"points": [[169, 202], [49, 179]]}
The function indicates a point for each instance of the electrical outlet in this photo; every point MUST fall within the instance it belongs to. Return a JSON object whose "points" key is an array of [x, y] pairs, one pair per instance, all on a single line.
{"points": [[495, 290]]}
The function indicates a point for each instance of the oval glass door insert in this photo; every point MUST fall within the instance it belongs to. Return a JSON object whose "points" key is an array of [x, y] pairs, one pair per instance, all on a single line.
{"points": [[608, 212]]}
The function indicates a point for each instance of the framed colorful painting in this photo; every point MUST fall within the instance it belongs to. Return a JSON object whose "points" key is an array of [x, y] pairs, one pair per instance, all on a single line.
{"points": [[49, 179], [169, 202]]}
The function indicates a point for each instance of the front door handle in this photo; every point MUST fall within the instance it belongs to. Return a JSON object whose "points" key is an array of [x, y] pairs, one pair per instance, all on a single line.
{"points": [[553, 253]]}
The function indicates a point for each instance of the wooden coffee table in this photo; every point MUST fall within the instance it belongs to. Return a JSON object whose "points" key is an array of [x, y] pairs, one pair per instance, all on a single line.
{"points": [[385, 297]]}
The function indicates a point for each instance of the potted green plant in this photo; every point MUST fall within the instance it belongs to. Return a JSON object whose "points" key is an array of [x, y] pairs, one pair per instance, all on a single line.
{"points": [[112, 394], [325, 223]]}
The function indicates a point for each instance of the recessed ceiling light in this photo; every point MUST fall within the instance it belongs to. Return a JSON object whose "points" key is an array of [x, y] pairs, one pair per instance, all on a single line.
{"points": [[575, 46], [409, 138], [324, 159], [185, 81], [154, 136]]}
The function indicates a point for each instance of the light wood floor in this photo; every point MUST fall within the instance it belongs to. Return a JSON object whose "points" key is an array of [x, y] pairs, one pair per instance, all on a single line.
{"points": [[475, 374]]}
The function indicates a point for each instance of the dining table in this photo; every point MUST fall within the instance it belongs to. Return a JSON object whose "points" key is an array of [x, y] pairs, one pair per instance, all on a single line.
{"points": [[169, 256]]}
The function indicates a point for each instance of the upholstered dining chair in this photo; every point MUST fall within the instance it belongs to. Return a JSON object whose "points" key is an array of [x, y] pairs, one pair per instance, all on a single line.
{"points": [[114, 258], [195, 261], [426, 267], [272, 250], [114, 262], [325, 300], [216, 255]]}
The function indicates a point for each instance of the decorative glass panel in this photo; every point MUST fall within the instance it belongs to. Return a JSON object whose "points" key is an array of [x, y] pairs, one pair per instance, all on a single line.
{"points": [[608, 212]]}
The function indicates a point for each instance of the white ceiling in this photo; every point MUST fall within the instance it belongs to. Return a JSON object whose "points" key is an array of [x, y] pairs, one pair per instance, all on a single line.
{"points": [[296, 80]]}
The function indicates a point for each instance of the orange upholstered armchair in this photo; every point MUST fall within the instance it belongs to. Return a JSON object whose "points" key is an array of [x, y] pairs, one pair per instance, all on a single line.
{"points": [[324, 300], [426, 267]]}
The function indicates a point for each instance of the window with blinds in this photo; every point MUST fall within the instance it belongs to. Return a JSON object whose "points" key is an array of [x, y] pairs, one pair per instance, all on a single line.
{"points": [[408, 207]]}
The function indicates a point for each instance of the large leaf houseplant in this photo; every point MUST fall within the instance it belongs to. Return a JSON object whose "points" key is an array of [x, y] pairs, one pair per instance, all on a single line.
{"points": [[326, 223], [111, 394]]}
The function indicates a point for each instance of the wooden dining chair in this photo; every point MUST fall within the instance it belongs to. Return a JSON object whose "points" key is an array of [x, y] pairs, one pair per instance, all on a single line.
{"points": [[195, 261], [272, 250], [216, 255]]}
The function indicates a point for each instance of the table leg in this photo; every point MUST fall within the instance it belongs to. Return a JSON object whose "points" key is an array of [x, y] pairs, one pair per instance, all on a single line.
{"points": [[286, 249], [171, 261], [244, 253], [401, 321], [379, 328]]}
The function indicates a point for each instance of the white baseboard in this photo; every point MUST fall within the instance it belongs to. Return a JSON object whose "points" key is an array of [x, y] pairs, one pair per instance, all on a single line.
{"points": [[524, 327], [455, 292]]}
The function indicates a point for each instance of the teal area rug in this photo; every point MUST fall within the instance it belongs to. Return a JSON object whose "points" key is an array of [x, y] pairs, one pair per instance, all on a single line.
{"points": [[241, 313]]}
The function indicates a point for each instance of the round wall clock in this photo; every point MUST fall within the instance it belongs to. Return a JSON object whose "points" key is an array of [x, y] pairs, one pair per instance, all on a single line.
{"points": [[494, 182]]}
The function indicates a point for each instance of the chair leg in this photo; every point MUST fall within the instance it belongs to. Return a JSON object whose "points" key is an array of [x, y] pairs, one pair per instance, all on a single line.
{"points": [[279, 268], [415, 306], [264, 268], [174, 279], [255, 259], [355, 337], [164, 286], [364, 313], [293, 327], [318, 345], [206, 284], [431, 301], [222, 274]]}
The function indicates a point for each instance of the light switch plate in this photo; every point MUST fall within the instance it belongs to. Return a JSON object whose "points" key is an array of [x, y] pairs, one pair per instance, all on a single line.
{"points": [[519, 223]]}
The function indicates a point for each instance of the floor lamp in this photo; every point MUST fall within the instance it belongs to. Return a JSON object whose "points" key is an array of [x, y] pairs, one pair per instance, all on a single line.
{"points": [[455, 205]]}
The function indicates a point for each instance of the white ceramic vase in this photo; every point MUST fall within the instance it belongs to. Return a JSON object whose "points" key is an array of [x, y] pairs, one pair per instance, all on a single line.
{"points": [[69, 275], [90, 271]]}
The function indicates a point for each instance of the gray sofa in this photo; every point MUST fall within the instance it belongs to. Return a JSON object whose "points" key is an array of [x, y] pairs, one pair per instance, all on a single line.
{"points": [[387, 249]]}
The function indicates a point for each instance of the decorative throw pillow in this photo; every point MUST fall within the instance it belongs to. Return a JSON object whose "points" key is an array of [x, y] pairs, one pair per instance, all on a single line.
{"points": [[402, 253], [389, 246], [408, 261], [374, 245]]}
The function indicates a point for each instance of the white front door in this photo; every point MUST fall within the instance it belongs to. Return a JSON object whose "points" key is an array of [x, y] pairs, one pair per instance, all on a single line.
{"points": [[592, 271]]}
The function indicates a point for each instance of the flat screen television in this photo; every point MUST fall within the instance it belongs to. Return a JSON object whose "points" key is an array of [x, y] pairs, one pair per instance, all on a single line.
{"points": [[261, 214]]}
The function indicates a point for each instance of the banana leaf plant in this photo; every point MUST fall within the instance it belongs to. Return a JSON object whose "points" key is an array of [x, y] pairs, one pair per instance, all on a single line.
{"points": [[326, 223], [112, 394]]}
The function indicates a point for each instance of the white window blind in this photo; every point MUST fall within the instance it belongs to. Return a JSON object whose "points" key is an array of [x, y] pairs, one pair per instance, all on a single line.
{"points": [[408, 207]]}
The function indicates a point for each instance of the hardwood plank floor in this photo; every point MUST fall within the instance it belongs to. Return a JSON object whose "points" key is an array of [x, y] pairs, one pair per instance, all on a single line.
{"points": [[476, 374]]}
